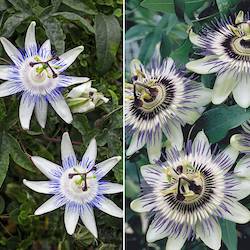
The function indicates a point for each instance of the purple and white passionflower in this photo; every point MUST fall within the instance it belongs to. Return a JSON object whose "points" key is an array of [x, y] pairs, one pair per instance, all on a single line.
{"points": [[185, 195], [77, 185], [37, 75]]}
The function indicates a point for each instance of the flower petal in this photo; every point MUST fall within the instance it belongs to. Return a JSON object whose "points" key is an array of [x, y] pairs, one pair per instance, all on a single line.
{"points": [[190, 116], [175, 243], [202, 97], [206, 65], [140, 206], [194, 38], [241, 92], [154, 148], [155, 233], [4, 72], [71, 217], [45, 48], [137, 142], [88, 219], [104, 167], [30, 39], [67, 150], [174, 134], [111, 188], [137, 69], [26, 108], [201, 145], [41, 109], [240, 142], [61, 108], [242, 169], [48, 168], [11, 50], [69, 57], [109, 207], [224, 84], [42, 187], [242, 190], [9, 88], [79, 90], [152, 174], [71, 80], [89, 157], [50, 205], [211, 236], [237, 213]]}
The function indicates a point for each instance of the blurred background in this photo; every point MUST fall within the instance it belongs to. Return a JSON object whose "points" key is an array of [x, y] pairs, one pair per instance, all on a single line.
{"points": [[67, 23], [165, 23]]}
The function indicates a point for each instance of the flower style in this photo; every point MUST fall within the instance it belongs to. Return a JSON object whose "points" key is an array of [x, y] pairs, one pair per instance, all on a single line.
{"points": [[187, 193], [226, 47], [37, 75], [84, 98], [77, 185], [160, 100]]}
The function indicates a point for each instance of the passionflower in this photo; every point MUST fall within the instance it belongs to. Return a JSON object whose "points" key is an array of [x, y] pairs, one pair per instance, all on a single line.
{"points": [[77, 185], [160, 99], [84, 98], [226, 47], [186, 194], [36, 73]]}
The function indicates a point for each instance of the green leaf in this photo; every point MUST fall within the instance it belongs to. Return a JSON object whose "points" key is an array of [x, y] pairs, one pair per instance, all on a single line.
{"points": [[148, 46], [2, 204], [17, 154], [3, 5], [76, 19], [22, 6], [224, 6], [12, 23], [137, 32], [4, 158], [79, 5], [218, 121], [108, 37], [55, 33], [165, 47], [229, 234]]}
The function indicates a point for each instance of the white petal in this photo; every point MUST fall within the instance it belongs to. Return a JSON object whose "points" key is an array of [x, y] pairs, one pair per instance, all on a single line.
{"points": [[154, 233], [5, 72], [238, 213], [154, 148], [48, 168], [79, 90], [69, 57], [109, 207], [242, 190], [50, 205], [137, 142], [71, 80], [153, 174], [242, 169], [139, 206], [202, 97], [201, 145], [88, 219], [46, 48], [104, 167], [223, 86], [41, 108], [206, 65], [210, 236], [11, 50], [190, 116], [26, 108], [67, 150], [82, 108], [42, 187], [194, 38], [175, 243], [174, 134], [61, 108], [111, 188], [9, 88], [71, 217], [238, 141], [241, 92], [30, 39], [90, 154]]}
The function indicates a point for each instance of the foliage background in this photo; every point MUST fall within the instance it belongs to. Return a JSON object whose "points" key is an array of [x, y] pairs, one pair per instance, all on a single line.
{"points": [[148, 23], [68, 23]]}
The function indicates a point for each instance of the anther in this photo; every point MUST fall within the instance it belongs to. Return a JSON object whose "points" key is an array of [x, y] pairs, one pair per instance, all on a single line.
{"points": [[179, 169], [180, 197], [197, 189]]}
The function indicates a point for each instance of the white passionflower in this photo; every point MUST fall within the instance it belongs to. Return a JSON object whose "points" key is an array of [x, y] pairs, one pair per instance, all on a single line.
{"points": [[37, 75], [84, 98], [77, 185], [186, 194], [160, 100], [226, 47]]}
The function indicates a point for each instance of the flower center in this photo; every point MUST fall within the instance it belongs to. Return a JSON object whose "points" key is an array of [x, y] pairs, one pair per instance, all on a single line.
{"points": [[187, 185]]}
